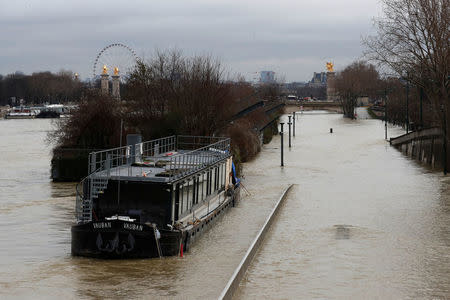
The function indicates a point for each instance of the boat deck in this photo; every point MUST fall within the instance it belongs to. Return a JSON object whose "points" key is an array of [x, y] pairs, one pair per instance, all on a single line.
{"points": [[162, 167]]}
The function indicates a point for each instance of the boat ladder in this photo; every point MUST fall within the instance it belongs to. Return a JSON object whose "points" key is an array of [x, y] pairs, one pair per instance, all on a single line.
{"points": [[97, 185]]}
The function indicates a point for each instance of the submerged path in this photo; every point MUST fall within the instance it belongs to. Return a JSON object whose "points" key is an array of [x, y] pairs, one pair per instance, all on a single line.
{"points": [[362, 221]]}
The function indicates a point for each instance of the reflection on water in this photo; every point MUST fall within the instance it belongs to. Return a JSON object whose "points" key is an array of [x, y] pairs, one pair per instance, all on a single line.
{"points": [[362, 221]]}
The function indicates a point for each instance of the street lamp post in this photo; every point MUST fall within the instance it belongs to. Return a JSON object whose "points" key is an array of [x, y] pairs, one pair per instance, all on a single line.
{"points": [[289, 123], [444, 142], [385, 114], [293, 125], [281, 135], [421, 107], [407, 105]]}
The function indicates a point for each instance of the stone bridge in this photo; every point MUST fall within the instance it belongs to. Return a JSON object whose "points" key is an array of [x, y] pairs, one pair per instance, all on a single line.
{"points": [[294, 105]]}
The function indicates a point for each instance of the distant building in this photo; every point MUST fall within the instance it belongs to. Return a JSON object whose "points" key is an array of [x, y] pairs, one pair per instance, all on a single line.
{"points": [[267, 77], [319, 79]]}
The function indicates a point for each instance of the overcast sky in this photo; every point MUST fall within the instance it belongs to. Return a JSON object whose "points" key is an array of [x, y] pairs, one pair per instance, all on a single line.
{"points": [[293, 38]]}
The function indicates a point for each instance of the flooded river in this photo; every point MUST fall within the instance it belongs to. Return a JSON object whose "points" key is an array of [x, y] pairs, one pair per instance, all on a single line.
{"points": [[361, 221]]}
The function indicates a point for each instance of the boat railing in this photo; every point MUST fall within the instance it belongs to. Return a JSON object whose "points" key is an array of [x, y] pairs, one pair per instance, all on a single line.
{"points": [[178, 155], [190, 142], [126, 155], [86, 190], [79, 200], [156, 147], [192, 161]]}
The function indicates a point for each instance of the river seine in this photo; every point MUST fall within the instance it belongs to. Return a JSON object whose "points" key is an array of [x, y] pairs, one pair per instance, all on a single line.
{"points": [[362, 221]]}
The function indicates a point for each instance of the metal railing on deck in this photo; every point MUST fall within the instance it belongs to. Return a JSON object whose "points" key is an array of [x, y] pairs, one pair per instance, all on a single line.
{"points": [[156, 147], [190, 162], [181, 155], [190, 142]]}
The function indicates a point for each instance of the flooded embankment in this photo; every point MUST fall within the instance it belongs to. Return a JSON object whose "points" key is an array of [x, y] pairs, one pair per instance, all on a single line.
{"points": [[361, 221]]}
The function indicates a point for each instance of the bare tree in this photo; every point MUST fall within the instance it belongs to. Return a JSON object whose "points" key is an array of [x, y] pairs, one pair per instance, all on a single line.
{"points": [[187, 95], [270, 91], [94, 124], [356, 80], [413, 40]]}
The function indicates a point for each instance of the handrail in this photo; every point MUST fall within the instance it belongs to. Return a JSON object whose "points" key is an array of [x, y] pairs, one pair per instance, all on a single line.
{"points": [[419, 134], [194, 158], [198, 161], [79, 195]]}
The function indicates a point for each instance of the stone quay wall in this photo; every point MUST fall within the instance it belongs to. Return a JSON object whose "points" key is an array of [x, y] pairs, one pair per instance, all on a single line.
{"points": [[424, 145]]}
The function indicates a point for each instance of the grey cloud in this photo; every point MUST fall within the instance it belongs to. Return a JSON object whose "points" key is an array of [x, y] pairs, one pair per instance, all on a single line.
{"points": [[248, 38]]}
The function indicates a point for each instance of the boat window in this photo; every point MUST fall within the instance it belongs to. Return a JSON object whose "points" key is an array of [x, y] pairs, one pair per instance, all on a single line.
{"points": [[181, 198], [224, 175], [217, 183], [196, 188], [209, 181], [190, 193], [177, 201], [222, 181], [205, 185], [174, 215], [220, 175], [187, 196], [213, 180]]}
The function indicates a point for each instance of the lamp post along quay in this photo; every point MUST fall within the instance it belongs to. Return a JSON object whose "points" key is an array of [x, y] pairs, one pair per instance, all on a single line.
{"points": [[293, 126], [407, 105], [385, 114], [421, 107], [289, 123], [281, 135]]}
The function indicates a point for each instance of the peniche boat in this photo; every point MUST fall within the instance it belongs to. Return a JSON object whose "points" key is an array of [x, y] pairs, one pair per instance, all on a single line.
{"points": [[21, 112], [154, 198]]}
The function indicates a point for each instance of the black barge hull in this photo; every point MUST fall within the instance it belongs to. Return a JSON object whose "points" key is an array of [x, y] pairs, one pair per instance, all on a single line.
{"points": [[122, 239], [117, 239]]}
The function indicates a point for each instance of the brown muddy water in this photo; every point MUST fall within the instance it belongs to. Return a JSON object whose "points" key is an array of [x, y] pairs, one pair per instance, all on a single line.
{"points": [[361, 221]]}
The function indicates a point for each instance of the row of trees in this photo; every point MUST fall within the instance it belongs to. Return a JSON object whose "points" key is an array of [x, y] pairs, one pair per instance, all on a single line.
{"points": [[40, 87], [413, 41], [356, 80], [405, 103], [185, 94], [412, 49], [168, 94], [319, 92]]}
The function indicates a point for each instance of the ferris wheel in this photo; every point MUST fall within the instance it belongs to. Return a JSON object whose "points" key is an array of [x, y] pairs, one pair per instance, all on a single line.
{"points": [[114, 56]]}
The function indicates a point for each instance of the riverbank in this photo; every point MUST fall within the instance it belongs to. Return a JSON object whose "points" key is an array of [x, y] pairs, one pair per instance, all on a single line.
{"points": [[3, 111]]}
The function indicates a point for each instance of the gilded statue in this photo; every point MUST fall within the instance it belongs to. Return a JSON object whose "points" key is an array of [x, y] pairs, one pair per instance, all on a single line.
{"points": [[105, 69], [330, 66], [116, 71]]}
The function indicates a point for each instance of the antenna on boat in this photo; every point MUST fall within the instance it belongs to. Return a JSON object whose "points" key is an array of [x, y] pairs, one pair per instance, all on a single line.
{"points": [[118, 183]]}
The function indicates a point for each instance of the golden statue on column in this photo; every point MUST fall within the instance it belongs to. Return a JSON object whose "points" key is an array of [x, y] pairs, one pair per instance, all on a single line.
{"points": [[331, 88], [116, 84], [330, 66]]}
